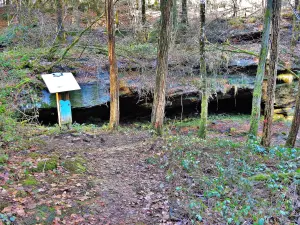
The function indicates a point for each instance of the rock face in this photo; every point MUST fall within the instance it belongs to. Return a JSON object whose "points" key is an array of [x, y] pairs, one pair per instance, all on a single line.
{"points": [[230, 93]]}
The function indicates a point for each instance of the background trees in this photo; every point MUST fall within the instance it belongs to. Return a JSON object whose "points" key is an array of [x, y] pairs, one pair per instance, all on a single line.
{"points": [[227, 37]]}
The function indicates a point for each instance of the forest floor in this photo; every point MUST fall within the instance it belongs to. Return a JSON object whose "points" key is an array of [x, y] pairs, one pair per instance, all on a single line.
{"points": [[89, 176]]}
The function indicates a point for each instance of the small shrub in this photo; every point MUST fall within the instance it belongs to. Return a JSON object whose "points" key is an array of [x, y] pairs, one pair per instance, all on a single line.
{"points": [[236, 22], [75, 165], [46, 165], [3, 158], [30, 181]]}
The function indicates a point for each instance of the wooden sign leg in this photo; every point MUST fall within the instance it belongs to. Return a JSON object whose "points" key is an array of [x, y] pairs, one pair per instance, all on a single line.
{"points": [[64, 109], [58, 98]]}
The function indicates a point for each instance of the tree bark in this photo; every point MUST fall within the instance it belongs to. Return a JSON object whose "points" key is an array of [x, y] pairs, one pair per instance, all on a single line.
{"points": [[184, 12], [143, 12], [60, 26], [295, 29], [203, 73], [257, 92], [235, 8], [292, 137], [113, 69], [174, 15], [159, 101], [76, 14], [272, 74]]}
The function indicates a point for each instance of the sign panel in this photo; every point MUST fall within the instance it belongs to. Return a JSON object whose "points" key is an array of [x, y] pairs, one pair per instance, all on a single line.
{"points": [[60, 82], [65, 112]]}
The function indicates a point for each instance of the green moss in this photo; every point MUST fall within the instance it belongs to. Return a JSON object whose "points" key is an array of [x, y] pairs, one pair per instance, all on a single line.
{"points": [[236, 22], [75, 165], [4, 203], [281, 176], [33, 155], [3, 158], [30, 181], [21, 194], [49, 164]]}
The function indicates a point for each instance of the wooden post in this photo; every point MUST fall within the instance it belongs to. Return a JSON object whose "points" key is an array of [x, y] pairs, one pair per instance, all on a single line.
{"points": [[64, 109], [58, 108]]}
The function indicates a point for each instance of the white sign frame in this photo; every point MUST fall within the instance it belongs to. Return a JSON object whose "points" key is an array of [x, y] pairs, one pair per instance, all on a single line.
{"points": [[60, 82]]}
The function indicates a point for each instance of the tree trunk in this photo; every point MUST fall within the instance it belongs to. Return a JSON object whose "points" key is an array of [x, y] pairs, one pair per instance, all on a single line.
{"points": [[290, 142], [205, 94], [143, 12], [257, 92], [235, 8], [295, 29], [272, 74], [113, 69], [174, 15], [76, 14], [159, 101], [60, 27], [184, 13]]}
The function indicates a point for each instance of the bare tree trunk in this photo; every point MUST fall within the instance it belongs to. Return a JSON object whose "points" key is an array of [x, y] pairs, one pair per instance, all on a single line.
{"points": [[269, 106], [60, 26], [174, 15], [203, 73], [159, 101], [143, 12], [295, 29], [184, 12], [76, 14], [113, 69], [292, 137], [235, 7], [257, 92]]}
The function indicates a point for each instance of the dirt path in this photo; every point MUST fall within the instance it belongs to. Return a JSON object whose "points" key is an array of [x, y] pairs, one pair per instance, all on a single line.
{"points": [[128, 190]]}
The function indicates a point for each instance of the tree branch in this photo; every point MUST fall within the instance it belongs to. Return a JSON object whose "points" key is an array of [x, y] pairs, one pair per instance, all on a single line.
{"points": [[242, 51], [76, 40]]}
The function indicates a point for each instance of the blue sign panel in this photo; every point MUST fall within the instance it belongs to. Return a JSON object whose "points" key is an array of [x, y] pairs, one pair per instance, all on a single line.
{"points": [[65, 111]]}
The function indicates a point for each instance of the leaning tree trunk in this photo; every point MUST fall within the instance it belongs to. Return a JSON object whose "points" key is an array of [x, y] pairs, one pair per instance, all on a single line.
{"points": [[159, 101], [113, 69], [291, 140], [257, 93], [59, 14], [205, 94], [271, 85], [292, 137]]}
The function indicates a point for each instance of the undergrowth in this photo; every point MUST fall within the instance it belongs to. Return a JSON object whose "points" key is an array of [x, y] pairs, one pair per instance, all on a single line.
{"points": [[222, 181]]}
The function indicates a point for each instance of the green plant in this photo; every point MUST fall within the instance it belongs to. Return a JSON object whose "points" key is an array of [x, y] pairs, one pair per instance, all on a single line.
{"points": [[6, 219], [30, 181], [45, 165], [76, 165], [3, 158]]}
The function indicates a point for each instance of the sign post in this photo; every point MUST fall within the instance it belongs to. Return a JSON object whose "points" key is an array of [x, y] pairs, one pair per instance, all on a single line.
{"points": [[61, 84]]}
